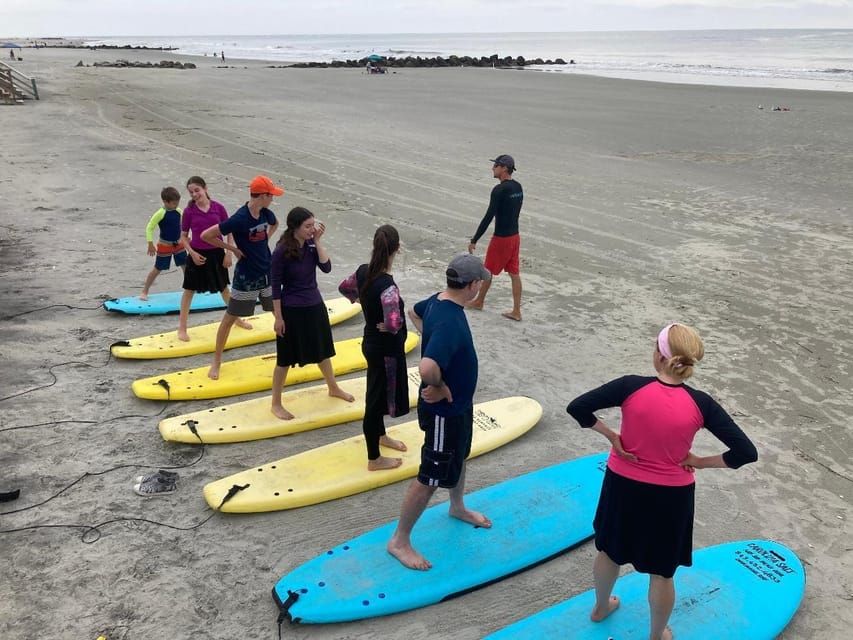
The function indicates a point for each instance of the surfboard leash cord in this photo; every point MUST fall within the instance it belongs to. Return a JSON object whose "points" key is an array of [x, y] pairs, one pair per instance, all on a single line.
{"points": [[91, 533], [284, 609], [233, 491]]}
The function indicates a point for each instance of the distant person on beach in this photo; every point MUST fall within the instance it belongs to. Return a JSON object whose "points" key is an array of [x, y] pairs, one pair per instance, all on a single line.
{"points": [[207, 266], [250, 228], [169, 246], [448, 369], [383, 345], [12, 53], [303, 332], [645, 511], [223, 56], [502, 252]]}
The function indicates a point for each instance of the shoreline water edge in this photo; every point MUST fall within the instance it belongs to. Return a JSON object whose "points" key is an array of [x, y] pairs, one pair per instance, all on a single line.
{"points": [[813, 59], [645, 203]]}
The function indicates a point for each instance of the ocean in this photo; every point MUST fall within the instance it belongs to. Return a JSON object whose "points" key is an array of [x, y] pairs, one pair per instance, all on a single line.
{"points": [[819, 59]]}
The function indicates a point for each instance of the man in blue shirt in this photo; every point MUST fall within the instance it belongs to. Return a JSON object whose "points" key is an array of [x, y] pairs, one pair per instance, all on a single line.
{"points": [[448, 369]]}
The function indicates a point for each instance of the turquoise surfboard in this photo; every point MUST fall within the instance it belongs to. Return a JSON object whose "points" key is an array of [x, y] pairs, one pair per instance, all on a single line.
{"points": [[163, 303], [535, 517], [745, 589]]}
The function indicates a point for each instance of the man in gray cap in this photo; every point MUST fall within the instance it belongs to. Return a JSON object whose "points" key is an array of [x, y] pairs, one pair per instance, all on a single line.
{"points": [[502, 253], [448, 371]]}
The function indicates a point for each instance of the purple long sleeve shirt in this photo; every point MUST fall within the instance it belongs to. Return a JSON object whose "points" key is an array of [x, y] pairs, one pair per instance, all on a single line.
{"points": [[294, 282]]}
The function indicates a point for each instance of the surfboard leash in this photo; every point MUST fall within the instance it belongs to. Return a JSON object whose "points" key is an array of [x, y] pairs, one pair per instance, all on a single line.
{"points": [[233, 491], [191, 425], [284, 609]]}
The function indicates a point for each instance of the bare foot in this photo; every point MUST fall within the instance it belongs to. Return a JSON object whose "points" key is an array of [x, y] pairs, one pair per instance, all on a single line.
{"points": [[337, 392], [391, 443], [667, 634], [407, 556], [183, 336], [213, 372], [243, 324], [281, 413], [597, 616], [143, 296], [512, 316], [478, 306], [472, 517], [382, 463]]}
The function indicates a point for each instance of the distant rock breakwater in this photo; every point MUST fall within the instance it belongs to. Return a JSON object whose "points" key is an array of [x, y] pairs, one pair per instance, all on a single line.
{"points": [[163, 64], [438, 61]]}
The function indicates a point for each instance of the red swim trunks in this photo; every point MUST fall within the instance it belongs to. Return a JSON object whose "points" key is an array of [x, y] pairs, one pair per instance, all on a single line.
{"points": [[502, 254]]}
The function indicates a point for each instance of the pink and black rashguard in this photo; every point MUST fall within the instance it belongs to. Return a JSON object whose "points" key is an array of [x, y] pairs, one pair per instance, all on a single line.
{"points": [[659, 421]]}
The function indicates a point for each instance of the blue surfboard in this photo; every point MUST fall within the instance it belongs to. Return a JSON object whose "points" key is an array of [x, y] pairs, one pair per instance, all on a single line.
{"points": [[163, 303], [746, 589], [535, 517]]}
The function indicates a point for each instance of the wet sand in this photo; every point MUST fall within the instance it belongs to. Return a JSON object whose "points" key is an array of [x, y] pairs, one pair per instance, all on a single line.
{"points": [[645, 203]]}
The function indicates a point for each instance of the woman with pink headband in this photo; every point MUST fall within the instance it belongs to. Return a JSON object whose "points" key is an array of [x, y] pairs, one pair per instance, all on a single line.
{"points": [[645, 511]]}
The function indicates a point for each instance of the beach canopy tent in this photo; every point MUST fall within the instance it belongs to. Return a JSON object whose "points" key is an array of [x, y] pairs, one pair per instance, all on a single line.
{"points": [[9, 45]]}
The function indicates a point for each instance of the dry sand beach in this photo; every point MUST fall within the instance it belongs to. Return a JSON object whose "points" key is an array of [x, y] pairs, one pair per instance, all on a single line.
{"points": [[645, 203]]}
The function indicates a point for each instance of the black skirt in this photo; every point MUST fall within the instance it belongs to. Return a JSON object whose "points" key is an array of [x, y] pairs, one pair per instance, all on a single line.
{"points": [[647, 525], [307, 336], [211, 276]]}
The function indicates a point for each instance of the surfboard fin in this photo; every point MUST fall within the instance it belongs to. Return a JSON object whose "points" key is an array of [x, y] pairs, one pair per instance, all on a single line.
{"points": [[120, 343], [233, 491]]}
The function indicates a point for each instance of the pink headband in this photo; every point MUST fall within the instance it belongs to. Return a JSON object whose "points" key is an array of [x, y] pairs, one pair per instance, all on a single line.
{"points": [[663, 341]]}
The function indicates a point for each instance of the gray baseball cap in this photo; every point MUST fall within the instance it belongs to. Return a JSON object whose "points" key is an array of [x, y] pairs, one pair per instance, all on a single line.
{"points": [[505, 161], [465, 268]]}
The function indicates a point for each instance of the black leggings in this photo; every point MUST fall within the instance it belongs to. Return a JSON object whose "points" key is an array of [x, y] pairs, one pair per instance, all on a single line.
{"points": [[387, 394]]}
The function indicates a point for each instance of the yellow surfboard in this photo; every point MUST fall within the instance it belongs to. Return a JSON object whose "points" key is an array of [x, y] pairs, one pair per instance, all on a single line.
{"points": [[340, 469], [312, 408], [203, 337], [248, 375]]}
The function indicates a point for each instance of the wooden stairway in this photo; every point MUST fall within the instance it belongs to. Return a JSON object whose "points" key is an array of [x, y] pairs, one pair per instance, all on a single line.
{"points": [[15, 86]]}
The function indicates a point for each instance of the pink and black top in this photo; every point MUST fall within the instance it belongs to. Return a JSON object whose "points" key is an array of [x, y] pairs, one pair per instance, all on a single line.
{"points": [[659, 422], [381, 303]]}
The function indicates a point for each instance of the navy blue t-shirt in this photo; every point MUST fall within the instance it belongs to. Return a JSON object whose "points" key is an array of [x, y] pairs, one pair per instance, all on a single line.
{"points": [[446, 338], [252, 238]]}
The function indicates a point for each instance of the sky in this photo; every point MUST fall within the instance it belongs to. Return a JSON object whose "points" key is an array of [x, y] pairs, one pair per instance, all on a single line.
{"points": [[69, 18]]}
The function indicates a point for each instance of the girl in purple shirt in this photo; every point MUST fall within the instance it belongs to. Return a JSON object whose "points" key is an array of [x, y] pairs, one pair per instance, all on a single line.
{"points": [[303, 332], [207, 267], [645, 511]]}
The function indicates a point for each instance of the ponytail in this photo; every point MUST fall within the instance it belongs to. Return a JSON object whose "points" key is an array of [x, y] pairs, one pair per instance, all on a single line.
{"points": [[386, 242]]}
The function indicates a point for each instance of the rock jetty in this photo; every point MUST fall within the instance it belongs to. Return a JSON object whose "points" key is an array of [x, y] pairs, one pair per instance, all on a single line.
{"points": [[163, 64], [438, 61]]}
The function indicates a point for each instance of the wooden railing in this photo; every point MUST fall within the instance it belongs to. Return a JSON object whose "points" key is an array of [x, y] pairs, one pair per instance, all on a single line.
{"points": [[15, 86]]}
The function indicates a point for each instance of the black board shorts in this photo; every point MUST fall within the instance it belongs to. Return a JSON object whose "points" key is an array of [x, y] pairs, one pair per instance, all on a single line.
{"points": [[447, 444]]}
